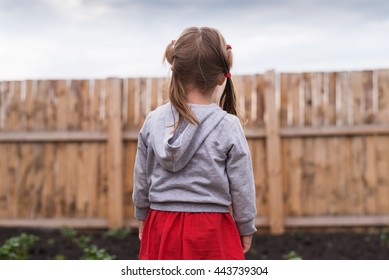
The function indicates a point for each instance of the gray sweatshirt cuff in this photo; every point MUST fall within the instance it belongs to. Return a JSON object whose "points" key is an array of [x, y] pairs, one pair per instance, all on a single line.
{"points": [[246, 228], [141, 213]]}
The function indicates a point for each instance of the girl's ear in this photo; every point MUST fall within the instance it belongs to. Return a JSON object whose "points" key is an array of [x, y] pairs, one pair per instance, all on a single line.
{"points": [[222, 80]]}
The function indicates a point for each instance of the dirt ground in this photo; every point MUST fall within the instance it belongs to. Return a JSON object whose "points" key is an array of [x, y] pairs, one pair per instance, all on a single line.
{"points": [[52, 244]]}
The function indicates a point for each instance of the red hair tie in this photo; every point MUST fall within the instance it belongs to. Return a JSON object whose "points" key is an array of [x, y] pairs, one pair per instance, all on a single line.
{"points": [[229, 47], [227, 75]]}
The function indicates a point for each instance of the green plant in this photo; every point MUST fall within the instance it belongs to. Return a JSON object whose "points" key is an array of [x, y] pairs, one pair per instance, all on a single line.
{"points": [[17, 248], [92, 252], [292, 255], [68, 232], [384, 237], [118, 233], [83, 241]]}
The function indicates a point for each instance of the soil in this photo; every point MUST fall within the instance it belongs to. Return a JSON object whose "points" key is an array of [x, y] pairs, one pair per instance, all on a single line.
{"points": [[298, 244]]}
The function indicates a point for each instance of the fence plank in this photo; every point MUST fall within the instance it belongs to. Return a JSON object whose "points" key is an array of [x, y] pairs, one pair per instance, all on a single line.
{"points": [[247, 90], [260, 89], [308, 108], [308, 177], [115, 152], [383, 96], [61, 96], [331, 88], [3, 191], [295, 174], [103, 186], [382, 156], [129, 149], [273, 152], [284, 100], [356, 189], [345, 178], [258, 153], [356, 91], [48, 187], [370, 176], [367, 96], [332, 177]]}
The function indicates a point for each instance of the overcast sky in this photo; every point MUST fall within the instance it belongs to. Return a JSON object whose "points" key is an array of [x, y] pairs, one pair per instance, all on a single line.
{"points": [[126, 38]]}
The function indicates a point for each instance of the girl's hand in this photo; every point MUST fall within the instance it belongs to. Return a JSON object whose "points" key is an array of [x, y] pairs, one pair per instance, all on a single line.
{"points": [[141, 224], [246, 242]]}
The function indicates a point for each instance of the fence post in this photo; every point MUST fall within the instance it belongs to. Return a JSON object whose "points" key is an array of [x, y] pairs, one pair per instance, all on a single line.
{"points": [[273, 155], [114, 154]]}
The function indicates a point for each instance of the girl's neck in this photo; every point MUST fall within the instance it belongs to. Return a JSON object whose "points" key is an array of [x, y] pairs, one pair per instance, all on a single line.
{"points": [[195, 96]]}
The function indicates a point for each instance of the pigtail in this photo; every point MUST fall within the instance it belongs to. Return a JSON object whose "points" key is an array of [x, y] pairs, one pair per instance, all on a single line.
{"points": [[228, 98], [176, 91], [177, 99], [169, 52]]}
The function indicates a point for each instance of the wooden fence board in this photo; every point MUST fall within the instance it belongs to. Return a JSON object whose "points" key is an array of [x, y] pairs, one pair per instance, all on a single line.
{"points": [[261, 187], [331, 88], [48, 187], [260, 89], [81, 191], [5, 102], [383, 96], [356, 189], [295, 176], [131, 104], [284, 100], [319, 188], [347, 183], [129, 150], [307, 87], [368, 109], [115, 167], [273, 154], [307, 184], [382, 156], [331, 180], [14, 105], [102, 194], [60, 180], [358, 101], [248, 100], [3, 190], [61, 97], [370, 175]]}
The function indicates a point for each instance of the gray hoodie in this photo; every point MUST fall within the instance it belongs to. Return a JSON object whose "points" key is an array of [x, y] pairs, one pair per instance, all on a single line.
{"points": [[197, 168]]}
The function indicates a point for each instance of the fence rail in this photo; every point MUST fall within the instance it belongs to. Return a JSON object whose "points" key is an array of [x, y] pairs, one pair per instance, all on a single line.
{"points": [[319, 144]]}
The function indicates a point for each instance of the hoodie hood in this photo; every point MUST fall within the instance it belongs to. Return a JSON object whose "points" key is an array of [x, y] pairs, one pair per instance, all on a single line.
{"points": [[174, 150]]}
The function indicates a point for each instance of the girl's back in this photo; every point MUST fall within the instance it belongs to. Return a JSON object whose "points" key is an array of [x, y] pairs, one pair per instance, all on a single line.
{"points": [[193, 161]]}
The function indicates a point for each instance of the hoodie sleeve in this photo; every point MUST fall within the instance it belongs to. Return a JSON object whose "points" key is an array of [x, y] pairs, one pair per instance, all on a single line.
{"points": [[240, 174], [141, 189]]}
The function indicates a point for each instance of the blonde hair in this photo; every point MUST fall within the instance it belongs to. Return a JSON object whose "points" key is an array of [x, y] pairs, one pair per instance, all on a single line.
{"points": [[199, 59]]}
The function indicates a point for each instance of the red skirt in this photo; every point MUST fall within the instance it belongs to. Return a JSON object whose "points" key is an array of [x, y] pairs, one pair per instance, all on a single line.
{"points": [[190, 236]]}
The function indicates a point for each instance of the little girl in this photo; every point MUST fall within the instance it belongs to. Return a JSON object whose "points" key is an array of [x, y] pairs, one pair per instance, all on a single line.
{"points": [[193, 162]]}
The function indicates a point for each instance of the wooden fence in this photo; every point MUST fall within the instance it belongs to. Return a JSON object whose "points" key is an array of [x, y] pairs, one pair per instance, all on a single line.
{"points": [[319, 144]]}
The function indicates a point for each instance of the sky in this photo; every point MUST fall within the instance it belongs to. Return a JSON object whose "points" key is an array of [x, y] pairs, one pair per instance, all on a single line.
{"points": [[82, 39]]}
